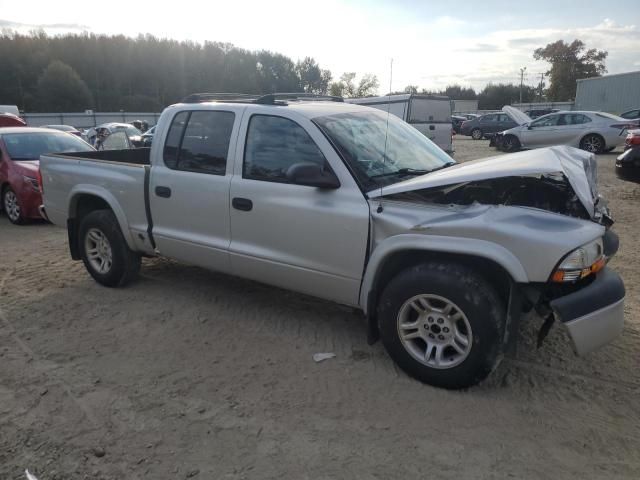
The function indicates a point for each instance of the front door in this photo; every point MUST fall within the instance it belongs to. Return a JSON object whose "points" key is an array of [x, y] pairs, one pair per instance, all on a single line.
{"points": [[189, 190], [297, 237], [542, 132]]}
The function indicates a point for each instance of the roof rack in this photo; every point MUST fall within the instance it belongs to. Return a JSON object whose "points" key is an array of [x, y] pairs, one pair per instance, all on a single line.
{"points": [[211, 97], [268, 99], [272, 98]]}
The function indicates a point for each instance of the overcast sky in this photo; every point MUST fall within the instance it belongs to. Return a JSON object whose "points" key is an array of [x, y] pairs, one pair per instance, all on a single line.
{"points": [[433, 43]]}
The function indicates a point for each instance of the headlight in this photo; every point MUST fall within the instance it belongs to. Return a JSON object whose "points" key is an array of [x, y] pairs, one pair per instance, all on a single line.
{"points": [[581, 262]]}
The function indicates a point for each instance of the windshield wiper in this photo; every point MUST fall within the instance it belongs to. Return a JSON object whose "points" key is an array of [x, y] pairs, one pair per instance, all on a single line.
{"points": [[413, 171]]}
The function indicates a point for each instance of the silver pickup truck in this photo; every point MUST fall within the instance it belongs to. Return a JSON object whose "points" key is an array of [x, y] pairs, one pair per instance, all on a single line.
{"points": [[349, 204]]}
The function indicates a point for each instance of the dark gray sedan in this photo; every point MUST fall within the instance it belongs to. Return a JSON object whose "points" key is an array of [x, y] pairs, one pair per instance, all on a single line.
{"points": [[487, 125]]}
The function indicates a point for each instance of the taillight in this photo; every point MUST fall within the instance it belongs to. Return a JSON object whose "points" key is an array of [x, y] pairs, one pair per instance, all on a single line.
{"points": [[632, 139], [39, 178], [624, 126]]}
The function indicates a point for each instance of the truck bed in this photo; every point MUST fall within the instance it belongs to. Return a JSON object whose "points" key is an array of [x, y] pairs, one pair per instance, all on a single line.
{"points": [[136, 156], [119, 177]]}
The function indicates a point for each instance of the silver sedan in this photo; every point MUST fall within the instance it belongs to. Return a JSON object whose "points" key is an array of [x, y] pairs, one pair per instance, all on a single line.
{"points": [[595, 132]]}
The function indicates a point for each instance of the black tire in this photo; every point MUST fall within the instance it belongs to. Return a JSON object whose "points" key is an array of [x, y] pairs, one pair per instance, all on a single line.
{"points": [[16, 220], [510, 143], [472, 295], [125, 263], [593, 143], [476, 134]]}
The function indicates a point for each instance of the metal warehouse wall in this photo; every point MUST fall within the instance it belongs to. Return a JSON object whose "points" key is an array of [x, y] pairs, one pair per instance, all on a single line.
{"points": [[611, 93], [84, 120]]}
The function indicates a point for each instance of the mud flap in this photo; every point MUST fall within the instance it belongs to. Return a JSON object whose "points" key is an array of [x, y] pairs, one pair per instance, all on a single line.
{"points": [[72, 232], [514, 315]]}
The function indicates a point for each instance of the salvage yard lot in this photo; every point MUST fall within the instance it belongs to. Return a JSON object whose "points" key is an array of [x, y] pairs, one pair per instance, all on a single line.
{"points": [[192, 374]]}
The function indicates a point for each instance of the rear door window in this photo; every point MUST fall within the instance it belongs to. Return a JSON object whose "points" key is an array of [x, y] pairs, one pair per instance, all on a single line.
{"points": [[199, 141]]}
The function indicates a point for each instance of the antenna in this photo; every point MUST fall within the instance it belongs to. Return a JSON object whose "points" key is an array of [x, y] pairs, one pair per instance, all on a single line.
{"points": [[386, 133]]}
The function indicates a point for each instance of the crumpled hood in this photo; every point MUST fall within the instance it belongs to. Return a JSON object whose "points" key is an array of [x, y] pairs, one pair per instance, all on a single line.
{"points": [[518, 116], [578, 166]]}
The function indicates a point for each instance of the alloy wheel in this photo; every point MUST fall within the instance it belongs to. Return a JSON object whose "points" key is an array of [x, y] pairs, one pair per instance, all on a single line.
{"points": [[434, 331], [98, 249], [11, 205]]}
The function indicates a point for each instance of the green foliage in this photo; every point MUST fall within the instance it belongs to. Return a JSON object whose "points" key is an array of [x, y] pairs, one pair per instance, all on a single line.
{"points": [[569, 62], [456, 92], [313, 79], [346, 86], [60, 89], [494, 97], [131, 73]]}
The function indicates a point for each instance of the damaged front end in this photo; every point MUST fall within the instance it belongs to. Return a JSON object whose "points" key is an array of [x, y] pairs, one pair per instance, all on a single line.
{"points": [[550, 192], [529, 212]]}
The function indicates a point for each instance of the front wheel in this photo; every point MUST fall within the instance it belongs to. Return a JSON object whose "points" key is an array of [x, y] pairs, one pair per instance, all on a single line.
{"points": [[510, 143], [11, 205], [442, 324], [104, 250], [476, 134]]}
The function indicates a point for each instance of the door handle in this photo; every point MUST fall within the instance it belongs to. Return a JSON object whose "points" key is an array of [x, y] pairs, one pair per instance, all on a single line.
{"points": [[243, 204], [432, 127], [164, 192]]}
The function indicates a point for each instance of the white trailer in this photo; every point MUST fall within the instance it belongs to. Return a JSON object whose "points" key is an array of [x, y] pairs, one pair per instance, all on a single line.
{"points": [[429, 114]]}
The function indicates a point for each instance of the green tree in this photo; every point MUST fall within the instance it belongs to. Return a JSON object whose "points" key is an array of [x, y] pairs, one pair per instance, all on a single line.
{"points": [[313, 79], [496, 96], [569, 62], [456, 92], [60, 89], [347, 87]]}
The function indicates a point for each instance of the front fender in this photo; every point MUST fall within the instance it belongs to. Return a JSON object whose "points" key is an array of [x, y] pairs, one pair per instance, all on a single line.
{"points": [[104, 194], [437, 243]]}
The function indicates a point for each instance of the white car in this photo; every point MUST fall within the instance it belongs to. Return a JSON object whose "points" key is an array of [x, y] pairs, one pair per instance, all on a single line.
{"points": [[594, 132]]}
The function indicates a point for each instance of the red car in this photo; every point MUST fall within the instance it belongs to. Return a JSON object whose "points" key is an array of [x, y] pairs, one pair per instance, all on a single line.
{"points": [[11, 120], [20, 150]]}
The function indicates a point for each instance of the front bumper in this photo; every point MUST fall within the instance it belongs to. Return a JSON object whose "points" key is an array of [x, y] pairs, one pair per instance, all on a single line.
{"points": [[629, 159], [593, 315]]}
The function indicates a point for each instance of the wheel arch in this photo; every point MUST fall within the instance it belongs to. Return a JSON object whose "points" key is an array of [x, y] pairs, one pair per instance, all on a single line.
{"points": [[493, 261], [85, 200]]}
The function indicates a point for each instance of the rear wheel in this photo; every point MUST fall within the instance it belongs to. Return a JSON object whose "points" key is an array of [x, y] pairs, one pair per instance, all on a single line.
{"points": [[510, 143], [476, 134], [593, 143], [11, 205], [442, 324], [105, 252]]}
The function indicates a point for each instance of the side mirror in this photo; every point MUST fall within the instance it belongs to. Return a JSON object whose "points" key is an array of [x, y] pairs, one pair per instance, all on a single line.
{"points": [[312, 175], [529, 127]]}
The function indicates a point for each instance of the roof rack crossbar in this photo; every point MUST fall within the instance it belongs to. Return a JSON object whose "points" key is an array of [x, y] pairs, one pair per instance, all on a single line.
{"points": [[272, 98], [228, 97]]}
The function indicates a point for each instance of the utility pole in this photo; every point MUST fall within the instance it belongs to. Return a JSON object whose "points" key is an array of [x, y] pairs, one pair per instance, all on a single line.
{"points": [[522, 70], [541, 84]]}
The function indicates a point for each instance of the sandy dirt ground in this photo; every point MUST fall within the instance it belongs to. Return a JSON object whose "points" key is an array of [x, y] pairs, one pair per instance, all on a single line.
{"points": [[193, 374]]}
